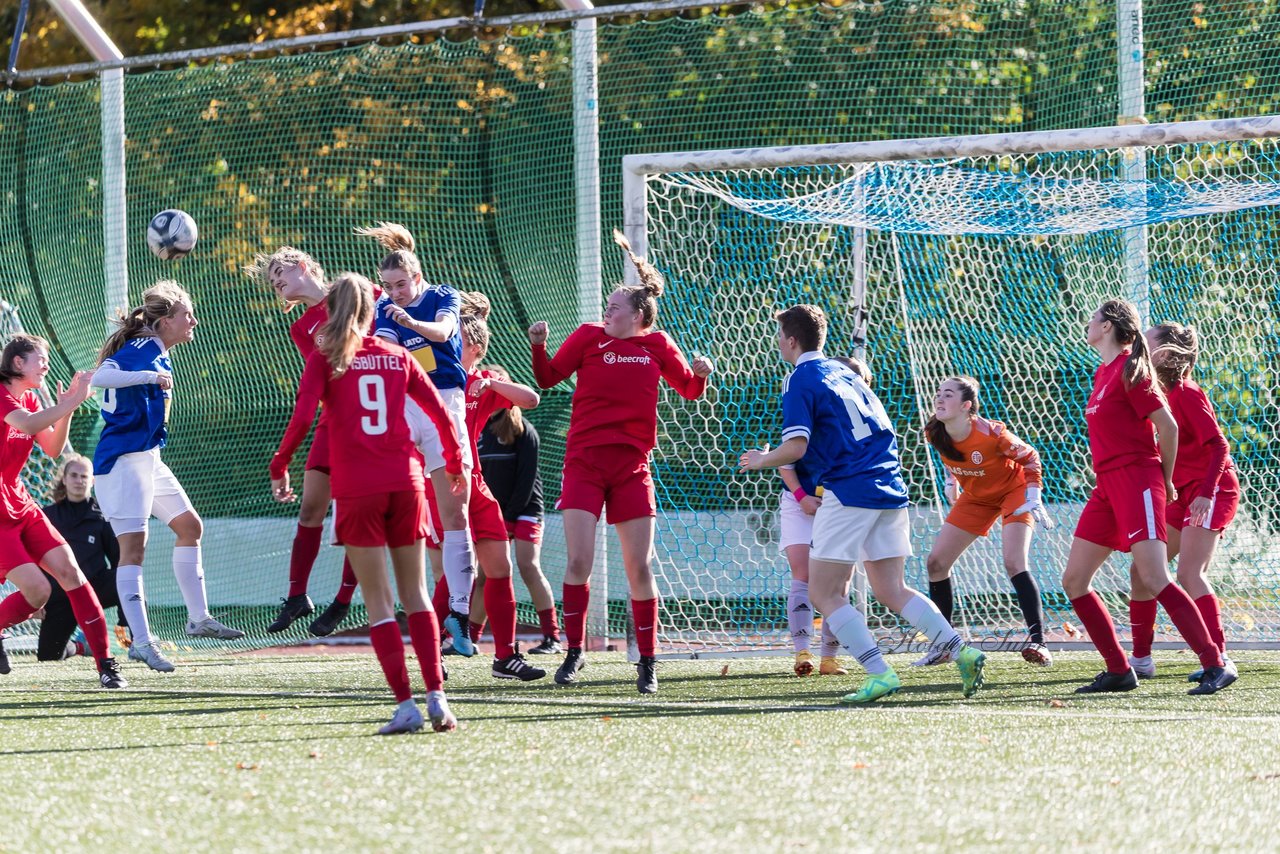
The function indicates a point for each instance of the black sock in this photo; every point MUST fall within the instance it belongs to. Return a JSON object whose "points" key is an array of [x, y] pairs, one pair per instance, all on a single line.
{"points": [[940, 593], [1029, 602]]}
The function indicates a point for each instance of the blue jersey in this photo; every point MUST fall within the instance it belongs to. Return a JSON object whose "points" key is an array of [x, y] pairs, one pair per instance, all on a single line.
{"points": [[441, 360], [135, 415], [852, 449]]}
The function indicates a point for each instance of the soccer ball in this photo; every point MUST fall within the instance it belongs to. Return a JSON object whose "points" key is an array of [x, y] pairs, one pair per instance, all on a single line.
{"points": [[172, 234]]}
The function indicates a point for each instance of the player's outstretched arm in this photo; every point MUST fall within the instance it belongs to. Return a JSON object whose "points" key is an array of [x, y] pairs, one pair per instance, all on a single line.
{"points": [[518, 394], [549, 372], [310, 390], [689, 381], [763, 458], [47, 423]]}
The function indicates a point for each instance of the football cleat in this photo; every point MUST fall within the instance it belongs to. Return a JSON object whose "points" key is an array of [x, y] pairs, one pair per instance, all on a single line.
{"points": [[1197, 675], [515, 667], [1215, 679], [830, 666], [211, 628], [647, 675], [459, 627], [875, 686], [406, 719], [109, 675], [970, 661], [1038, 654], [573, 664], [442, 720], [1110, 683], [328, 622], [549, 646], [293, 608], [804, 663], [149, 654], [5, 666], [1145, 667]]}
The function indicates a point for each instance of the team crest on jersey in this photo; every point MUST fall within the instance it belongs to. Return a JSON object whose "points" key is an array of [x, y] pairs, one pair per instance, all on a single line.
{"points": [[976, 458], [610, 357]]}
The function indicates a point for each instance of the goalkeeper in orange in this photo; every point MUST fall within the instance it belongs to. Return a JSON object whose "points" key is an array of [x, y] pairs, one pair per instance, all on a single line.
{"points": [[991, 475]]}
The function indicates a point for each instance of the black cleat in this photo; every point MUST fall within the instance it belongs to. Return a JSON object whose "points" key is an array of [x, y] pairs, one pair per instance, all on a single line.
{"points": [[1110, 683], [1215, 679], [515, 667], [5, 667], [647, 675], [573, 664], [323, 625], [293, 608], [549, 646], [109, 674]]}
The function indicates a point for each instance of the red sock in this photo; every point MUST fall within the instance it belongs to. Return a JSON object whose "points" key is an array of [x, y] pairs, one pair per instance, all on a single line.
{"points": [[88, 612], [576, 599], [645, 614], [389, 647], [475, 630], [440, 600], [306, 548], [15, 609], [347, 588], [1211, 611], [1097, 622], [500, 603], [1142, 622], [547, 620], [1178, 605], [424, 632]]}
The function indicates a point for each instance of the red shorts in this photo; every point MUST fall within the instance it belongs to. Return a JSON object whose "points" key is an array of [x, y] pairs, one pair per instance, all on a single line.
{"points": [[528, 530], [484, 516], [391, 519], [1226, 500], [614, 477], [979, 517], [1126, 507], [318, 456], [26, 540]]}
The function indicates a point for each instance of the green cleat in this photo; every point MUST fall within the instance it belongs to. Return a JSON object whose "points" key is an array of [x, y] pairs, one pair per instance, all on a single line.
{"points": [[875, 686], [971, 661]]}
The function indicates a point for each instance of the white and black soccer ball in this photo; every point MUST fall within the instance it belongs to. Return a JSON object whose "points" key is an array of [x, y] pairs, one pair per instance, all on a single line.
{"points": [[172, 234]]}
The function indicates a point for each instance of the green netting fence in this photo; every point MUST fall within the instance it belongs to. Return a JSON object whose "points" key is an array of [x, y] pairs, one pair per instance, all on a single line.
{"points": [[470, 142]]}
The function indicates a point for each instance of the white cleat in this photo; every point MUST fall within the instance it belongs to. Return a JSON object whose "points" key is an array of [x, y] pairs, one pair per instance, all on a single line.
{"points": [[149, 654], [442, 720], [1037, 654], [406, 719], [211, 628], [934, 656], [1145, 668]]}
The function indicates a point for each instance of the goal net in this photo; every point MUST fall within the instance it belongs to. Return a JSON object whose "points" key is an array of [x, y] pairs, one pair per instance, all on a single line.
{"points": [[980, 256]]}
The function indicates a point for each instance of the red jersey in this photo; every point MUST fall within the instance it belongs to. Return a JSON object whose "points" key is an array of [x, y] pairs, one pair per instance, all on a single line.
{"points": [[480, 409], [304, 330], [1119, 432], [616, 401], [1203, 454], [996, 462], [365, 412], [15, 501]]}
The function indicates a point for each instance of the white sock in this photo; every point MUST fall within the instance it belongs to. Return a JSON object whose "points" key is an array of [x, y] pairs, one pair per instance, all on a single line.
{"points": [[459, 568], [133, 602], [928, 620], [830, 643], [850, 626], [190, 575], [799, 615]]}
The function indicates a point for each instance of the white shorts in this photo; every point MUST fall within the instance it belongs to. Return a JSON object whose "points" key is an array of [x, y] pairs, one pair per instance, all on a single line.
{"points": [[138, 487], [851, 534], [424, 434], [797, 525]]}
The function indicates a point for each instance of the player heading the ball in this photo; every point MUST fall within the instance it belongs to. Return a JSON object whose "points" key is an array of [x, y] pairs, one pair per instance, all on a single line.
{"points": [[838, 427], [365, 384]]}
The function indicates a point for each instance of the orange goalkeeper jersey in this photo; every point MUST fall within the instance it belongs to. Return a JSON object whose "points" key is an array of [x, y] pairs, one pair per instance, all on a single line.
{"points": [[995, 462]]}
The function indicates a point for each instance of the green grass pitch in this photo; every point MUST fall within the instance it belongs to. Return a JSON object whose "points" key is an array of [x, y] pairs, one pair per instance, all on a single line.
{"points": [[254, 752]]}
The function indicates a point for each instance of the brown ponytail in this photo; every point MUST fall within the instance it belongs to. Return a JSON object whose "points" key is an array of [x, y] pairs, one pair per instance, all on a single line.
{"points": [[398, 242], [644, 296], [159, 301], [1178, 347], [936, 432], [259, 269], [1123, 316], [350, 304]]}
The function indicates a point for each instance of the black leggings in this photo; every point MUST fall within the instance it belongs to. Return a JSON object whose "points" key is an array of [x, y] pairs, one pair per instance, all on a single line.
{"points": [[59, 620]]}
